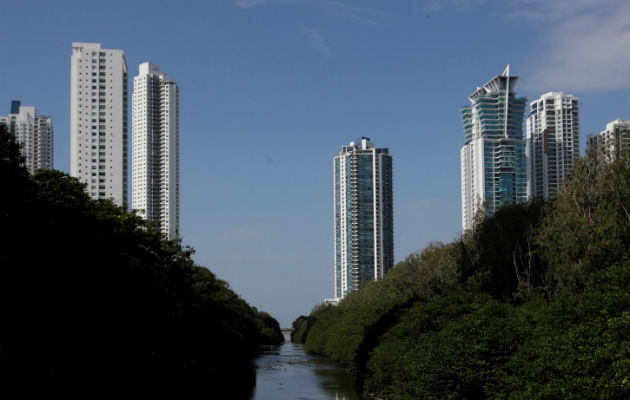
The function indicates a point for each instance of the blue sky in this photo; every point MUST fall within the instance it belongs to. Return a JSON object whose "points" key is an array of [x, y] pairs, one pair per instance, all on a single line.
{"points": [[271, 90]]}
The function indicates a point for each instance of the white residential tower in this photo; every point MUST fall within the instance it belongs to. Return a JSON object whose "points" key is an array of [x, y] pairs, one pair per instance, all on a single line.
{"points": [[612, 141], [35, 134], [98, 121], [553, 142], [155, 154]]}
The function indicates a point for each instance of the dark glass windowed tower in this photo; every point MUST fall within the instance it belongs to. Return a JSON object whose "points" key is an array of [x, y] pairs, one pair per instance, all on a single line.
{"points": [[364, 215]]}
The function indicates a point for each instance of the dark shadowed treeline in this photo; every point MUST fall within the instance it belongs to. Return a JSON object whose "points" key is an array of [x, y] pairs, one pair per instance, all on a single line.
{"points": [[94, 303], [533, 303]]}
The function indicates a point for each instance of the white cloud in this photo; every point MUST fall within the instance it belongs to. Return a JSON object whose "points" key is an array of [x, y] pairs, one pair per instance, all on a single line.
{"points": [[355, 14], [250, 3], [258, 3], [585, 43], [315, 40], [559, 9], [585, 52]]}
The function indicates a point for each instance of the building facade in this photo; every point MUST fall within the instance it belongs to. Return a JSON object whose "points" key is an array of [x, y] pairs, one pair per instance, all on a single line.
{"points": [[493, 164], [553, 142], [34, 133], [98, 121], [363, 219], [612, 141], [155, 154]]}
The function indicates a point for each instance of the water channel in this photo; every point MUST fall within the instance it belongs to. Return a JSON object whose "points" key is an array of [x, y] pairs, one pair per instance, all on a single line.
{"points": [[287, 373]]}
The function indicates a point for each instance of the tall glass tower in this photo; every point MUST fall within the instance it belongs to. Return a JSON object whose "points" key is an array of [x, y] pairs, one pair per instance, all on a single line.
{"points": [[364, 223], [493, 164]]}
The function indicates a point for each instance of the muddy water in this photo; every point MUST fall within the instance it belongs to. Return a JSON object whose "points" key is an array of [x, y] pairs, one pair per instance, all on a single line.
{"points": [[287, 373]]}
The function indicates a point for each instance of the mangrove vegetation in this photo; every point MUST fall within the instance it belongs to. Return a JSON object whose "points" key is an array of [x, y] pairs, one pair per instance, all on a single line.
{"points": [[94, 303], [532, 303]]}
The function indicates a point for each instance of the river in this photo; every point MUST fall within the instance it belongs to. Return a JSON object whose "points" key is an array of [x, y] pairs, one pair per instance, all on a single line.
{"points": [[287, 373]]}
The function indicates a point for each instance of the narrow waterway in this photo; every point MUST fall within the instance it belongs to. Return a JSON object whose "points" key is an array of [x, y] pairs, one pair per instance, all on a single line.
{"points": [[287, 373]]}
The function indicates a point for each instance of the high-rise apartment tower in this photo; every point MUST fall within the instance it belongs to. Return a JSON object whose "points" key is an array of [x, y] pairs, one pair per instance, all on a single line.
{"points": [[155, 155], [35, 135], [364, 223], [98, 121], [553, 142], [612, 141], [493, 161]]}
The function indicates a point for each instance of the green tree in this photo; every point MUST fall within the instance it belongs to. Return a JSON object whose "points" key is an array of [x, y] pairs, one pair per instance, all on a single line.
{"points": [[588, 226]]}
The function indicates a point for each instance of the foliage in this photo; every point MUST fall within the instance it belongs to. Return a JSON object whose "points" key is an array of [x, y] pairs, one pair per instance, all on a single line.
{"points": [[497, 254], [94, 302], [268, 327], [588, 226], [532, 303], [303, 324], [347, 333], [578, 346]]}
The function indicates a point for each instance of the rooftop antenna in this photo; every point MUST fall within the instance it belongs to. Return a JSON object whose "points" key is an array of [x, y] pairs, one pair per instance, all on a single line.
{"points": [[506, 73]]}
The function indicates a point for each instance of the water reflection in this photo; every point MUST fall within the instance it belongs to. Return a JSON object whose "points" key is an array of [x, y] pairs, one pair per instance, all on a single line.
{"points": [[288, 373]]}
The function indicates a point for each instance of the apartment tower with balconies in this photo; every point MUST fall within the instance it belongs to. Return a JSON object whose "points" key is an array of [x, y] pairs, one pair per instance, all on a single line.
{"points": [[98, 121], [155, 149], [363, 216]]}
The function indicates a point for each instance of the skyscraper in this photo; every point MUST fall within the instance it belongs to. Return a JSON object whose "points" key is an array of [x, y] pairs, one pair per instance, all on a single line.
{"points": [[364, 223], [98, 121], [155, 168], [612, 141], [34, 133], [493, 161], [553, 142]]}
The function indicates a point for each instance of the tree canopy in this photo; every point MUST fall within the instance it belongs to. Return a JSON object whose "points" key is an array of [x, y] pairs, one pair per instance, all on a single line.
{"points": [[532, 303], [94, 302]]}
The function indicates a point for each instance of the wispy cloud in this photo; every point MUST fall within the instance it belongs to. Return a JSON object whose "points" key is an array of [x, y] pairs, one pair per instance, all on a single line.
{"points": [[560, 9], [250, 3], [315, 40], [355, 14], [588, 54], [585, 43], [258, 3], [459, 5], [588, 47]]}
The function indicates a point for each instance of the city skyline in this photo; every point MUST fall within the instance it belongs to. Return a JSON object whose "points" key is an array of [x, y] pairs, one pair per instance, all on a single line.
{"points": [[270, 89]]}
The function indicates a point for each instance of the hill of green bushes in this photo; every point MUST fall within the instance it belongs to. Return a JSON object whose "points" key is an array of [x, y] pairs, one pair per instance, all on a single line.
{"points": [[532, 303]]}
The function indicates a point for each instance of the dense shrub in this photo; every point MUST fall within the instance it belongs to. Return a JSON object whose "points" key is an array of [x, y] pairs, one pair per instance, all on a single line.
{"points": [[532, 303], [94, 302]]}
